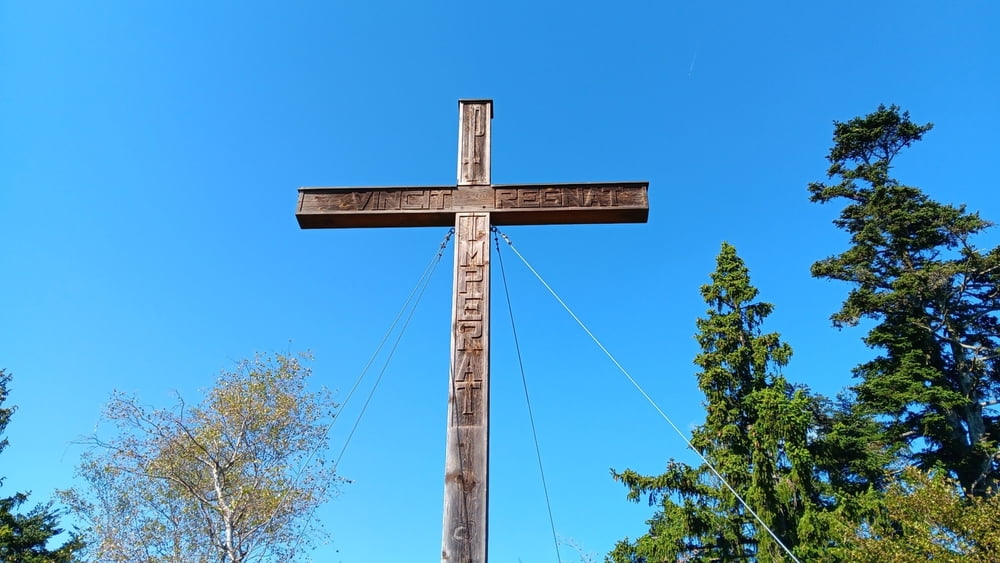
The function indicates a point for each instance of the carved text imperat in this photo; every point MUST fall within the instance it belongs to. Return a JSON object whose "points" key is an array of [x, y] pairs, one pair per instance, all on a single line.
{"points": [[470, 314]]}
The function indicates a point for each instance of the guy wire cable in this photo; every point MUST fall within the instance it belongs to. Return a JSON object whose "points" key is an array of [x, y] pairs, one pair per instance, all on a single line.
{"points": [[527, 399], [649, 399], [415, 295]]}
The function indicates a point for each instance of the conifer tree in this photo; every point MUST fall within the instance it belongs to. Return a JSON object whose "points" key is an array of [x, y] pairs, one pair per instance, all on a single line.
{"points": [[755, 434], [25, 537], [933, 298]]}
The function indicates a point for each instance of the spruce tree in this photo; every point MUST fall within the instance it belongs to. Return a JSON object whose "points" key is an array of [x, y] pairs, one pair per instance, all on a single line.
{"points": [[755, 434], [24, 537], [932, 299]]}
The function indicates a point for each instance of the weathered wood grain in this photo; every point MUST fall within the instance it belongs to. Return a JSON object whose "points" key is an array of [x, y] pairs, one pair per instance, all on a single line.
{"points": [[436, 206], [474, 127], [466, 494], [472, 205]]}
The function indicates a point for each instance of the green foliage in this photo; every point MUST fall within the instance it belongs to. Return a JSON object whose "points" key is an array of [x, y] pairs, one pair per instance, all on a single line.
{"points": [[925, 517], [903, 466], [850, 455], [932, 297], [234, 479], [755, 434], [24, 538]]}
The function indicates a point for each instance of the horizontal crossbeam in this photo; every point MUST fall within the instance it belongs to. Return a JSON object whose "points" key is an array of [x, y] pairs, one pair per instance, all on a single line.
{"points": [[436, 206]]}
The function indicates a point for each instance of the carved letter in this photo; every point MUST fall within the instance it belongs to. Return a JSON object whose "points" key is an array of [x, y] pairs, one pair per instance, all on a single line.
{"points": [[505, 197], [472, 308], [467, 382], [471, 281], [469, 335], [527, 197], [552, 197], [414, 199], [362, 199], [571, 197], [389, 199], [475, 253], [439, 199]]}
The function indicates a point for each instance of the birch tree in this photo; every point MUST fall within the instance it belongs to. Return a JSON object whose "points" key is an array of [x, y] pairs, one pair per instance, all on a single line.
{"points": [[235, 478]]}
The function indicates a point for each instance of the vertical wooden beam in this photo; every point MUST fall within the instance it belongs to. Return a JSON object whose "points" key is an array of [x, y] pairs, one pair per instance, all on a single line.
{"points": [[467, 458], [474, 133], [473, 204], [466, 495]]}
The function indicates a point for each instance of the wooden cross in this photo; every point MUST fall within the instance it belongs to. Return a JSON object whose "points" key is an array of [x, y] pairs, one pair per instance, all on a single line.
{"points": [[472, 206]]}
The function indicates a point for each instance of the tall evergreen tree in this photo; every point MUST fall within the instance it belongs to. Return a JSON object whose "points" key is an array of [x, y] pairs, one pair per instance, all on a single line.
{"points": [[933, 298], [24, 537], [756, 436]]}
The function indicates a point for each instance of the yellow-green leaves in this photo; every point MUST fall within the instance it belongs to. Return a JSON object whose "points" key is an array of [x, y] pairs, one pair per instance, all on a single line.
{"points": [[232, 478]]}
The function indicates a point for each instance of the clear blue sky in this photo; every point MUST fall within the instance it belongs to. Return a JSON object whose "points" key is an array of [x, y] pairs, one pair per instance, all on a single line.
{"points": [[149, 160]]}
